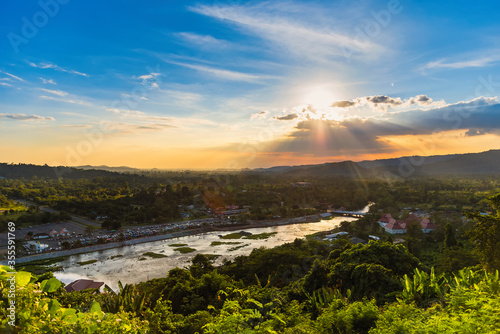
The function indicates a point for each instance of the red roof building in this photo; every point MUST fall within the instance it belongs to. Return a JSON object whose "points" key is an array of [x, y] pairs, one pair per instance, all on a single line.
{"points": [[82, 284], [386, 217], [394, 227], [427, 225]]}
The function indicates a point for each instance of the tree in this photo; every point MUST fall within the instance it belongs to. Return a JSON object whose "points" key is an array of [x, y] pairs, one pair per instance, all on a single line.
{"points": [[449, 238], [486, 235]]}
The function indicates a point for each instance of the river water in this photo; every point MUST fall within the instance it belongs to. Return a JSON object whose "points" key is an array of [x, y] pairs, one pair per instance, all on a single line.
{"points": [[128, 264]]}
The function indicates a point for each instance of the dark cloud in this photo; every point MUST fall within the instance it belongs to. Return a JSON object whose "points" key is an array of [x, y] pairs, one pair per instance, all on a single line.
{"points": [[360, 136], [260, 114], [384, 99], [343, 104], [420, 99], [23, 117], [288, 117]]}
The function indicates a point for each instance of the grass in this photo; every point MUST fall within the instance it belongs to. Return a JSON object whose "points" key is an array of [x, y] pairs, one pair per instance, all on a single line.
{"points": [[115, 256], [154, 255], [83, 263], [260, 236], [231, 236], [218, 243], [178, 245], [184, 250], [232, 249], [40, 267], [142, 259]]}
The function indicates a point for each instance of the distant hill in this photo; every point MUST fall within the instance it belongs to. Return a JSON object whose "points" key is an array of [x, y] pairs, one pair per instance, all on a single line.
{"points": [[17, 171], [465, 164], [397, 161], [453, 164], [120, 169]]}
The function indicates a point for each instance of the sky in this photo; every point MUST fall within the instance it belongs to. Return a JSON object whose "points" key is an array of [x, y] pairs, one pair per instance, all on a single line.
{"points": [[246, 84]]}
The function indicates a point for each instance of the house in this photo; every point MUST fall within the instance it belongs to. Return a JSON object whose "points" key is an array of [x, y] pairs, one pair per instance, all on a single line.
{"points": [[35, 246], [395, 227], [427, 225], [83, 284], [54, 233], [386, 217], [64, 233], [41, 236]]}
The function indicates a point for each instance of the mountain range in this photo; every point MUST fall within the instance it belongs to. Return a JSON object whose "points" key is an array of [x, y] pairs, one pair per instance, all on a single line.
{"points": [[484, 163]]}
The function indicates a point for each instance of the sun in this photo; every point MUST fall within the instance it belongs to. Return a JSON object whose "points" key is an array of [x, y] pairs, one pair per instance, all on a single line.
{"points": [[319, 96]]}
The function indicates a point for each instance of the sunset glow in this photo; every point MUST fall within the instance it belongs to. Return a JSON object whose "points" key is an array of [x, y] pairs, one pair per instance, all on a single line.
{"points": [[202, 85]]}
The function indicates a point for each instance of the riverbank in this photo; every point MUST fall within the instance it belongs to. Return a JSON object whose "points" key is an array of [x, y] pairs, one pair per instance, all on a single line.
{"points": [[222, 228]]}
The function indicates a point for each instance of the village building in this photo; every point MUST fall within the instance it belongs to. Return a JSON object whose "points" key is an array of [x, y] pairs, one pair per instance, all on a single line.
{"points": [[64, 233], [41, 236], [386, 217], [83, 284], [394, 226]]}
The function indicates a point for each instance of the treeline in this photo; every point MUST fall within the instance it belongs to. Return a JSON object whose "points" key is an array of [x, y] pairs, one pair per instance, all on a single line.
{"points": [[307, 286], [158, 198]]}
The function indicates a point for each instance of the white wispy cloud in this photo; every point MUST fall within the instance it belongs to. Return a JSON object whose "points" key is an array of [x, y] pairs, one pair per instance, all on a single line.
{"points": [[54, 92], [309, 40], [5, 84], [48, 81], [475, 62], [45, 65], [23, 117], [12, 76], [226, 74], [70, 100], [203, 40]]}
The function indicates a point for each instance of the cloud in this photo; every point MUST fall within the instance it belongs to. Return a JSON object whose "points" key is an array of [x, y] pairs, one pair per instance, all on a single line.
{"points": [[225, 74], [285, 25], [12, 76], [204, 40], [72, 101], [382, 102], [260, 114], [420, 99], [343, 104], [384, 99], [5, 84], [54, 92], [288, 117], [76, 126], [355, 135], [45, 65], [477, 62], [130, 128], [23, 117], [47, 81]]}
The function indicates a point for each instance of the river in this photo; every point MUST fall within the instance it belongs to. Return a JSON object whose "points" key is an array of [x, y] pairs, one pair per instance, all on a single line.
{"points": [[128, 264]]}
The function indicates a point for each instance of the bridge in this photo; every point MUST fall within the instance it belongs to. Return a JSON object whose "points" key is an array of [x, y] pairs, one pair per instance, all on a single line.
{"points": [[356, 214]]}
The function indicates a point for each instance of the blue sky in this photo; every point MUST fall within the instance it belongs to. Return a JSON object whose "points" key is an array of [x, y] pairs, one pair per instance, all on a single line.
{"points": [[232, 84]]}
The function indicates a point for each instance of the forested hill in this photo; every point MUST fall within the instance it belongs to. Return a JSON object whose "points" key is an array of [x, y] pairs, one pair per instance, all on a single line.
{"points": [[456, 164], [17, 171]]}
